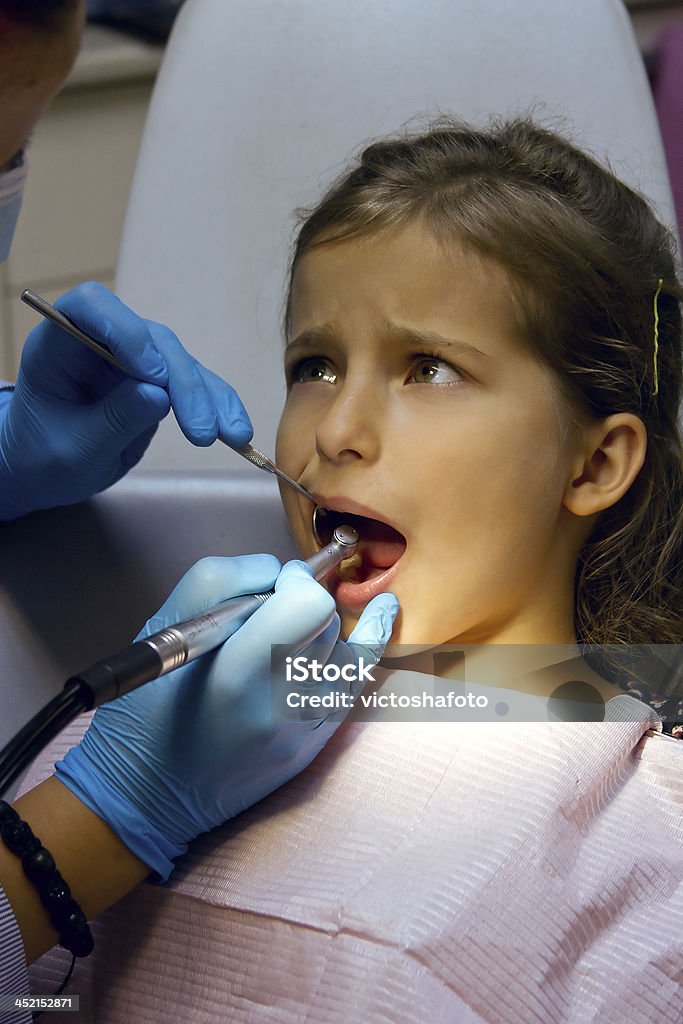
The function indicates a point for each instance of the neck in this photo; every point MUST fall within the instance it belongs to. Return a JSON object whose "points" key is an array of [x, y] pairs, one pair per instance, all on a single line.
{"points": [[528, 668]]}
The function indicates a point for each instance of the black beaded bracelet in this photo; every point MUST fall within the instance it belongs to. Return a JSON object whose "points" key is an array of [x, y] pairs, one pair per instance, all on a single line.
{"points": [[39, 867]]}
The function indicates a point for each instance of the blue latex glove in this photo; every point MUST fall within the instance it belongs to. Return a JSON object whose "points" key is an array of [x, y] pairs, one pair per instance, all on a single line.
{"points": [[184, 753], [74, 424]]}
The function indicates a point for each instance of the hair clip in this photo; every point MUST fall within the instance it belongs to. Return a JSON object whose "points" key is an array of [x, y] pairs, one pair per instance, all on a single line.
{"points": [[660, 282]]}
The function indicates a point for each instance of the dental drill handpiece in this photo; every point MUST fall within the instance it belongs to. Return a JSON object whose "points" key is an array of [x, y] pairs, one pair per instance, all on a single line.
{"points": [[182, 642]]}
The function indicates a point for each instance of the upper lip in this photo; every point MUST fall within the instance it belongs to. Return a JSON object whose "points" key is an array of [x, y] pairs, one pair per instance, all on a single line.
{"points": [[341, 504]]}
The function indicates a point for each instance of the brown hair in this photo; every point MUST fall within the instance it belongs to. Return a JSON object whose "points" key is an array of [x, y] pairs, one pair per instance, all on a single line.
{"points": [[36, 13], [584, 253]]}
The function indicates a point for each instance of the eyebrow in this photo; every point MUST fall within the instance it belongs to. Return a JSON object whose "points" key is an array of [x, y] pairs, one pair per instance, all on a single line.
{"points": [[319, 335]]}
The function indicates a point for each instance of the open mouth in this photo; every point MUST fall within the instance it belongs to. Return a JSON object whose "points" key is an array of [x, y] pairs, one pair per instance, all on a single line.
{"points": [[379, 548]]}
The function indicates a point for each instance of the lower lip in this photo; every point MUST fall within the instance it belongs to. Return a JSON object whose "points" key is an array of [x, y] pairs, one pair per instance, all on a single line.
{"points": [[354, 595]]}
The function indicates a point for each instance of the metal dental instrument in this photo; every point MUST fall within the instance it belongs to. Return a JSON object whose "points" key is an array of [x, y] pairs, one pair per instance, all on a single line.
{"points": [[247, 451], [182, 642], [257, 458]]}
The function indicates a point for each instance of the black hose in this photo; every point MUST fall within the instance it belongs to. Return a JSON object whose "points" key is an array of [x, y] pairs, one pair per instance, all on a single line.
{"points": [[36, 734]]}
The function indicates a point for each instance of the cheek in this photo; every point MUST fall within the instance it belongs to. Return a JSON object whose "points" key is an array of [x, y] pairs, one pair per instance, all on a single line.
{"points": [[291, 456], [295, 442], [286, 448], [488, 475]]}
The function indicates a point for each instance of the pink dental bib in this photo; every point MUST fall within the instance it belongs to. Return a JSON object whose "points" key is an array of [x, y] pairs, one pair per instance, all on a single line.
{"points": [[440, 873]]}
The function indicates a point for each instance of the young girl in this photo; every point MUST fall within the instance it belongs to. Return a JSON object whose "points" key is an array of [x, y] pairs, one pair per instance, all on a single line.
{"points": [[484, 372], [484, 349]]}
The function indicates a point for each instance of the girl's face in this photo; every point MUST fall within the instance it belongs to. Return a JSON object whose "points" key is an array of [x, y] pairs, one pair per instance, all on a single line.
{"points": [[411, 402]]}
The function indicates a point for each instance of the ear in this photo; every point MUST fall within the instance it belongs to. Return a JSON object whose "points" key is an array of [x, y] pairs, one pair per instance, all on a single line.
{"points": [[611, 455]]}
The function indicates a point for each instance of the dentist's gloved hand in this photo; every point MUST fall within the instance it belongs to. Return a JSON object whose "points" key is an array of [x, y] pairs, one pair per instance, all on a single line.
{"points": [[74, 424], [185, 752]]}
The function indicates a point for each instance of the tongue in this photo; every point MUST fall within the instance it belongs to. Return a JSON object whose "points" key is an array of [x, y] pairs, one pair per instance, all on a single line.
{"points": [[380, 545]]}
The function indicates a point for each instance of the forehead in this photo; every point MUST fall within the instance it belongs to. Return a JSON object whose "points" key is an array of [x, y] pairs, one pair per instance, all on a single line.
{"points": [[402, 274]]}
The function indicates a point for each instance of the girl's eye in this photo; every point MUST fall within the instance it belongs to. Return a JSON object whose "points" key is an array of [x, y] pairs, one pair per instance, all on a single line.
{"points": [[308, 371], [432, 370]]}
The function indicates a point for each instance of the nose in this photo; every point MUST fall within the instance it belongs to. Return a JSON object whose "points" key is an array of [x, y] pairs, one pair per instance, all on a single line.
{"points": [[350, 430]]}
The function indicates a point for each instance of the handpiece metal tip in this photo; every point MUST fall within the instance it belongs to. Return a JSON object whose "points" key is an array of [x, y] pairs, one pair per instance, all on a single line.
{"points": [[347, 536]]}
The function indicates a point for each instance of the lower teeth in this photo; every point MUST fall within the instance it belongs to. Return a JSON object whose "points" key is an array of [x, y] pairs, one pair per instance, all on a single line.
{"points": [[348, 566]]}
